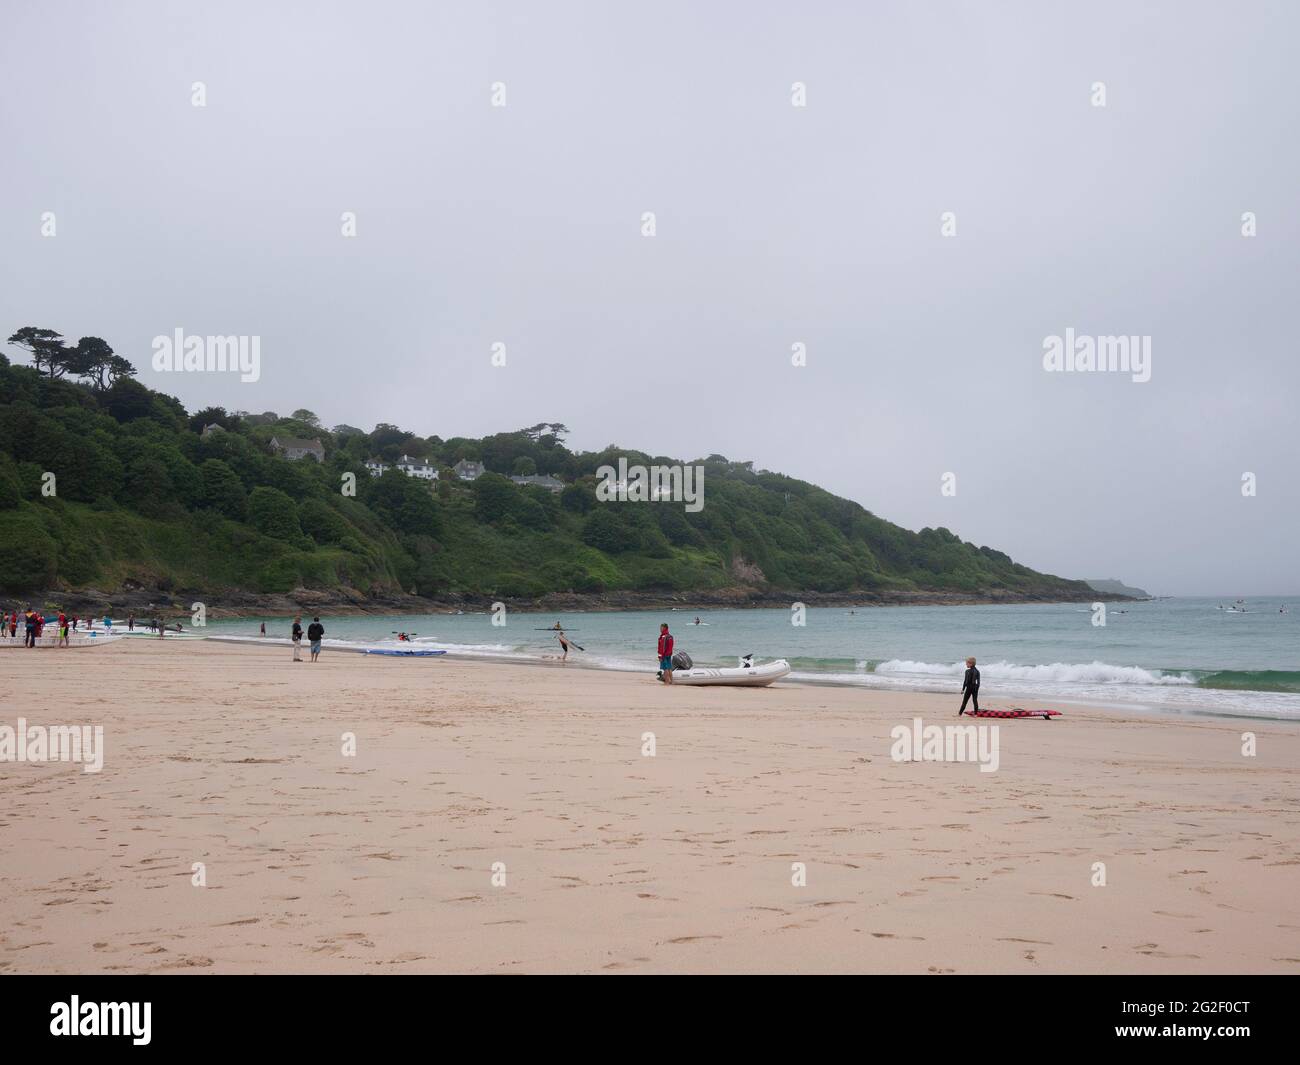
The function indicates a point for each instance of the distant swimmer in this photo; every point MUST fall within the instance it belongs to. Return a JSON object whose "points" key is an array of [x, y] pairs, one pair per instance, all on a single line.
{"points": [[970, 688]]}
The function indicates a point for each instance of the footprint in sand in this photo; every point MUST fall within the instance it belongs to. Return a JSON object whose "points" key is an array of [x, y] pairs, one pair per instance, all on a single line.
{"points": [[194, 962]]}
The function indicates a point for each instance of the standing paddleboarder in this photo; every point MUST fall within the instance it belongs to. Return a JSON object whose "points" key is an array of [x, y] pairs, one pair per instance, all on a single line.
{"points": [[970, 688]]}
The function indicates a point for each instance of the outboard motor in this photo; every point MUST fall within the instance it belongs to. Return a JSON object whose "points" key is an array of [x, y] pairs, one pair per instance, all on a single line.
{"points": [[681, 660]]}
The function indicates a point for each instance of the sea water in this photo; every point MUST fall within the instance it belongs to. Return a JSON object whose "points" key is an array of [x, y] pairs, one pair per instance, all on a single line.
{"points": [[1174, 655]]}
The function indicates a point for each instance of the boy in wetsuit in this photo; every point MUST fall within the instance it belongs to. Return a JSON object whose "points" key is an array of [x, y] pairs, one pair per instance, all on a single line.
{"points": [[970, 688]]}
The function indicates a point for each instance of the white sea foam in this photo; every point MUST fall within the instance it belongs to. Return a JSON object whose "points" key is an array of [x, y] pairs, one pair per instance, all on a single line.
{"points": [[1055, 673]]}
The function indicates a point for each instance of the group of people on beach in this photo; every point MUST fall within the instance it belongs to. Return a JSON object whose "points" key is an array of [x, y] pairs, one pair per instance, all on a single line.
{"points": [[315, 633], [33, 624]]}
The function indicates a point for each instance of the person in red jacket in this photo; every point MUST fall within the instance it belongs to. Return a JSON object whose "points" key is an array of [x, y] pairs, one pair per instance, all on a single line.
{"points": [[665, 654]]}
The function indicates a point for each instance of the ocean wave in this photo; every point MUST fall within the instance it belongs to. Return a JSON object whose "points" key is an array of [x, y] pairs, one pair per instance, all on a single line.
{"points": [[1259, 680], [1053, 673]]}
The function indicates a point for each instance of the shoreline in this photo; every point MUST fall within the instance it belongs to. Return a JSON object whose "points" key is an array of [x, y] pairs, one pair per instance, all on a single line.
{"points": [[1001, 692], [615, 861], [235, 606]]}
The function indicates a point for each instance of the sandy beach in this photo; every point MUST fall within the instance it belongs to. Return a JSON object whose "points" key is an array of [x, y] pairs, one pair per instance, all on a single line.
{"points": [[615, 861]]}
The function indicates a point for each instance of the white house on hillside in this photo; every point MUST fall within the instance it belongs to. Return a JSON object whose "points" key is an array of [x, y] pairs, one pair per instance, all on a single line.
{"points": [[417, 468], [297, 449], [543, 481], [468, 471], [409, 466]]}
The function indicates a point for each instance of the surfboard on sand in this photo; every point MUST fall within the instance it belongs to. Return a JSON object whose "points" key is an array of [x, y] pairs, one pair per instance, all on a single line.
{"points": [[1046, 715], [403, 654]]}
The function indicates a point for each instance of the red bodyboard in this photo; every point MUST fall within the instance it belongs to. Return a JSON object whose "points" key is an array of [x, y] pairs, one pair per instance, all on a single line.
{"points": [[1014, 713]]}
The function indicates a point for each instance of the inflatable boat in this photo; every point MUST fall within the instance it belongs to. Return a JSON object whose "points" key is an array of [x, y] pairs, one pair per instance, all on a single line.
{"points": [[745, 675]]}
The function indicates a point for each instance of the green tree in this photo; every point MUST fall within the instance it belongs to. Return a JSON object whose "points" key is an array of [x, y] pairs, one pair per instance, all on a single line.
{"points": [[273, 514], [495, 497], [49, 352], [29, 561], [222, 490], [604, 531]]}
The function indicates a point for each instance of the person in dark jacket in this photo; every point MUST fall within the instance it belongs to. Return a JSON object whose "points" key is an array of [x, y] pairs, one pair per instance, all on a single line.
{"points": [[314, 633], [970, 688]]}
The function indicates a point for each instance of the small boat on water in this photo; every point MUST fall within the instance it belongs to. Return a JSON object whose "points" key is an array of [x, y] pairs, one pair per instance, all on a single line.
{"points": [[745, 675]]}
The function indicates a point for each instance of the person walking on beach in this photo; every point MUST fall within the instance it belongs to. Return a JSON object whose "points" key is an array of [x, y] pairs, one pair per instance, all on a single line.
{"points": [[297, 638], [63, 630], [970, 688], [263, 632], [130, 623], [665, 654], [314, 633]]}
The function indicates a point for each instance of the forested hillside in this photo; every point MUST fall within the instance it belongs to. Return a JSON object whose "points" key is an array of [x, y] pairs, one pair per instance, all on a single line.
{"points": [[141, 497]]}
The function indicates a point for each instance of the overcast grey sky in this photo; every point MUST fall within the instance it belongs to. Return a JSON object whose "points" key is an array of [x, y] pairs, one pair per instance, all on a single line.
{"points": [[775, 225]]}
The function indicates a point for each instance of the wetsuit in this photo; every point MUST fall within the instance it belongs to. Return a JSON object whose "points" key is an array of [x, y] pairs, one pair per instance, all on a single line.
{"points": [[970, 690]]}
